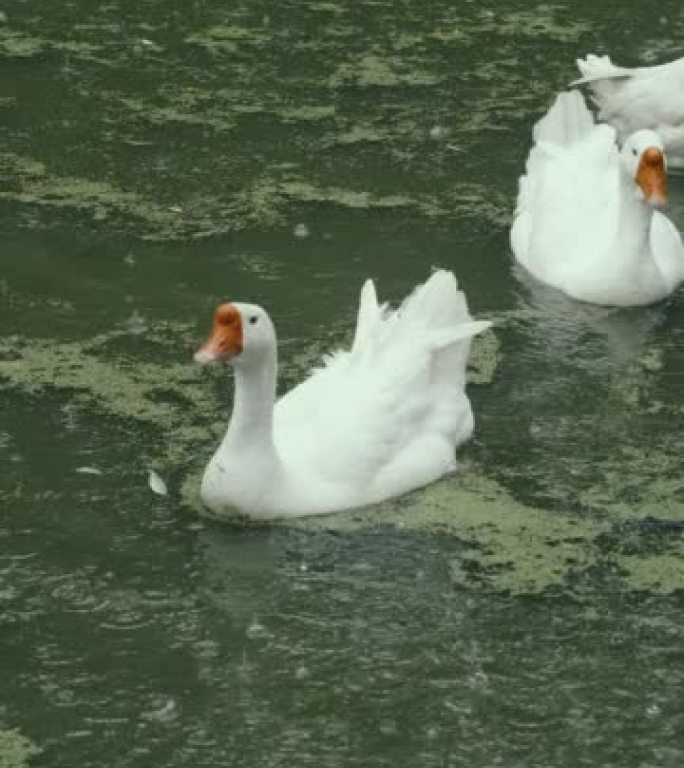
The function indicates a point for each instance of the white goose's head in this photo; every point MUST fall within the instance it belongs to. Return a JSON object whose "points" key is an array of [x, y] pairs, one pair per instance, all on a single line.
{"points": [[643, 157], [241, 334]]}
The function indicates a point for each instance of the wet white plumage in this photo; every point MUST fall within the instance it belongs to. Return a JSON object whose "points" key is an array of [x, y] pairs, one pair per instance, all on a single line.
{"points": [[641, 97], [581, 223], [375, 422]]}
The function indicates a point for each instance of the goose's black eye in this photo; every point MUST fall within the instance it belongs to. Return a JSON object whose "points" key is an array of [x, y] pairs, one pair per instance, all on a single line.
{"points": [[253, 319], [634, 152]]}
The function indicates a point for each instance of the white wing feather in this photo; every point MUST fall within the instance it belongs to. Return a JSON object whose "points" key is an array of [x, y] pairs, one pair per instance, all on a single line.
{"points": [[403, 376], [668, 253], [568, 202], [631, 99]]}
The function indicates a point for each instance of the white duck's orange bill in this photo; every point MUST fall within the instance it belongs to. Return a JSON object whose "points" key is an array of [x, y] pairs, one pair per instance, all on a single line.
{"points": [[651, 176], [225, 339]]}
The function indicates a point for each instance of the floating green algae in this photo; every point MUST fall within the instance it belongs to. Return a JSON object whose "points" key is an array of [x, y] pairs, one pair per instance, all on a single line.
{"points": [[355, 135], [160, 397], [14, 44], [186, 109], [15, 750], [262, 203], [372, 70], [325, 7], [220, 190], [347, 198], [464, 199], [28, 181], [550, 22], [485, 351], [471, 200], [547, 22], [663, 572], [624, 477], [448, 34], [228, 38], [508, 546], [246, 200], [406, 41], [517, 548], [306, 113], [71, 367]]}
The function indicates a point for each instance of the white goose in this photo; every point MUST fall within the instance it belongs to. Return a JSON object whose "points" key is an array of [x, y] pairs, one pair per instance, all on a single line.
{"points": [[585, 220], [375, 422], [642, 97]]}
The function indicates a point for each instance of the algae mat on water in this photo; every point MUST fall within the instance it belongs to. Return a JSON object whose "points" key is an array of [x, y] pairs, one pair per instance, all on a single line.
{"points": [[267, 203], [197, 136], [15, 750]]}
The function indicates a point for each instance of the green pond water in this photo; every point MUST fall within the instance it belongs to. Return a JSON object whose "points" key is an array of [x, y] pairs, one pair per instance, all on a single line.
{"points": [[159, 157]]}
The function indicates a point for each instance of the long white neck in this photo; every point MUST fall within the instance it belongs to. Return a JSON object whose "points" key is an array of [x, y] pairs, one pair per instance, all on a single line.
{"points": [[251, 425], [656, 241], [635, 218]]}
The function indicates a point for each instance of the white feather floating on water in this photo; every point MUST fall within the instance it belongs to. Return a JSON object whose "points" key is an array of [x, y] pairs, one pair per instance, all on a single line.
{"points": [[157, 485], [88, 471]]}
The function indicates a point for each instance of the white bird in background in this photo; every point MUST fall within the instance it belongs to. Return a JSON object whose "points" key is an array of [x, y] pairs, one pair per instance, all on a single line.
{"points": [[642, 97], [377, 421], [586, 221]]}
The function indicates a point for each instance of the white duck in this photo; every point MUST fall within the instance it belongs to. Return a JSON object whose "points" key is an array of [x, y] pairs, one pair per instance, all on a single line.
{"points": [[375, 422], [642, 97], [585, 220]]}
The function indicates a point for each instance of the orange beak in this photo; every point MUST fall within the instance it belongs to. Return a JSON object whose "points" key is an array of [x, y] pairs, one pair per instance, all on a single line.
{"points": [[225, 339], [651, 176]]}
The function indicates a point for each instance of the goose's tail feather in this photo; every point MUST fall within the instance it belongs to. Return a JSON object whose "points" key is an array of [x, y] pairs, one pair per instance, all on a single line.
{"points": [[595, 68], [440, 309], [569, 120], [434, 318]]}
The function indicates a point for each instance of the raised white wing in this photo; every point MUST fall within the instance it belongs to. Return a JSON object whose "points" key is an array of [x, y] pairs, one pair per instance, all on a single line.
{"points": [[642, 97], [568, 202], [352, 417]]}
